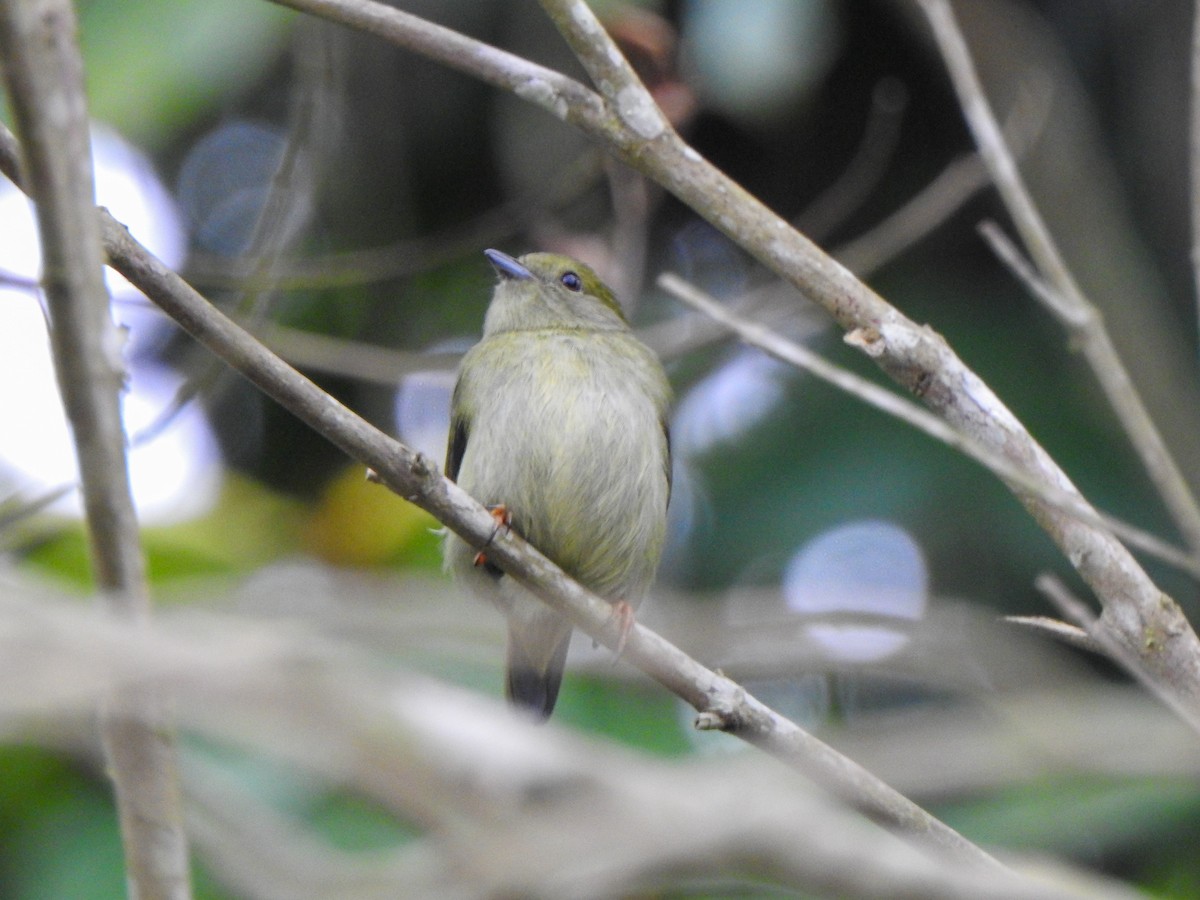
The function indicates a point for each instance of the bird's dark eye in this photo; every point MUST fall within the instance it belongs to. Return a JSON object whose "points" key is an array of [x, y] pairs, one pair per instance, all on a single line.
{"points": [[571, 281]]}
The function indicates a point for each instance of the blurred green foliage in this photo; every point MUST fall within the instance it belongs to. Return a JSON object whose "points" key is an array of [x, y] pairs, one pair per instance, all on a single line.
{"points": [[155, 69]]}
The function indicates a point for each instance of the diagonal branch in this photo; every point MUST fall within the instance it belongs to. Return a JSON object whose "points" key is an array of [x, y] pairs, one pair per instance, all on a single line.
{"points": [[563, 97]]}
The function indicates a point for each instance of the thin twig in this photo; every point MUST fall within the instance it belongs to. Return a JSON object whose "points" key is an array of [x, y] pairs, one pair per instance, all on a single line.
{"points": [[1064, 631], [1010, 254], [1085, 620], [278, 224], [1078, 315], [859, 177], [44, 79], [943, 196]]}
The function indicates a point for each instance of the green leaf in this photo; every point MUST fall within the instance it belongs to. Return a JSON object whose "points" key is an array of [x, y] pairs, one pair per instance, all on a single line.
{"points": [[154, 67]]}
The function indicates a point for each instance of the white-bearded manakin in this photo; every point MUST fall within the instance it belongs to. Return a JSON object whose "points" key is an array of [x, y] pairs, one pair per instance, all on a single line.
{"points": [[559, 424]]}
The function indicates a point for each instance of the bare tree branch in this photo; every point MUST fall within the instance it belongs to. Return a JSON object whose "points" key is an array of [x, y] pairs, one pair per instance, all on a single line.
{"points": [[1064, 631], [562, 97], [1009, 254], [44, 80]]}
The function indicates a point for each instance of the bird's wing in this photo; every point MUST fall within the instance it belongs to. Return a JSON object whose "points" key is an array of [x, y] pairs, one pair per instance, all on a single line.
{"points": [[456, 446], [666, 430]]}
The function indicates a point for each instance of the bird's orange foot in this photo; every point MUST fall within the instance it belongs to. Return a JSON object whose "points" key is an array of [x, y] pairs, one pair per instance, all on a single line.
{"points": [[503, 521], [623, 618]]}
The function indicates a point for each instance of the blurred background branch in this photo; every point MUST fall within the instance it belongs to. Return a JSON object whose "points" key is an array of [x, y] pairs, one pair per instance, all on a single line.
{"points": [[279, 687], [43, 77]]}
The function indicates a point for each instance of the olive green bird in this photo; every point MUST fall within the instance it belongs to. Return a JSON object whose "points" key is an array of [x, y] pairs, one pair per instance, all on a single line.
{"points": [[558, 423]]}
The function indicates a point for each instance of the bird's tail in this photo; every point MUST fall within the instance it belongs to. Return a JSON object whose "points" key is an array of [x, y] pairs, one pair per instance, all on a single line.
{"points": [[537, 656]]}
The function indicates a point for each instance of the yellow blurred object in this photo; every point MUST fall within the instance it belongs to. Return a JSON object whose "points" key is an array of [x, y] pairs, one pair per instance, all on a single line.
{"points": [[357, 523]]}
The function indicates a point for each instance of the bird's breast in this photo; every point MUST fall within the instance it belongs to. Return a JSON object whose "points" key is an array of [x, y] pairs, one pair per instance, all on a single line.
{"points": [[570, 439]]}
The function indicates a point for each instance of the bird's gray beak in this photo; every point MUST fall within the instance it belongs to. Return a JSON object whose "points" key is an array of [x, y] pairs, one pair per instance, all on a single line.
{"points": [[506, 266]]}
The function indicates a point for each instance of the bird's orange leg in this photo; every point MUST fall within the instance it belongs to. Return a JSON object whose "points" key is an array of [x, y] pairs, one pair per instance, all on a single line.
{"points": [[503, 521]]}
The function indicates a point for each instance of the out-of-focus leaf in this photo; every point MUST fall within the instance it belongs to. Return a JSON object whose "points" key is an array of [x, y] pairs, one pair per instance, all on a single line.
{"points": [[251, 525], [637, 715], [351, 823], [153, 67], [358, 523], [1082, 817], [60, 832]]}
